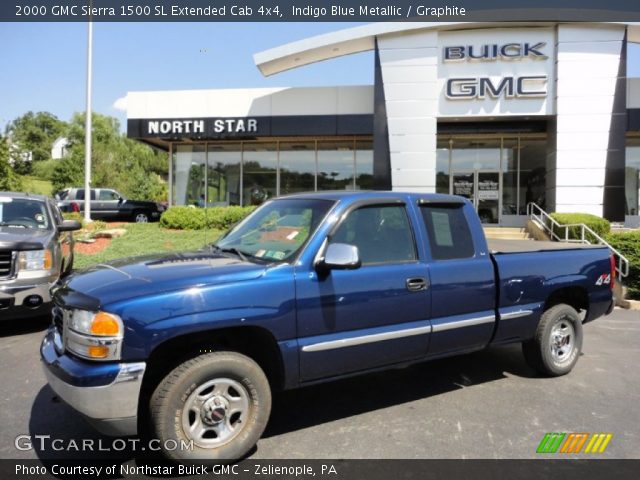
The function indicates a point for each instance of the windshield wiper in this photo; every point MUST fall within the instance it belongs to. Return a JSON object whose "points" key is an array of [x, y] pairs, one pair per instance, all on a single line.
{"points": [[234, 251], [9, 224]]}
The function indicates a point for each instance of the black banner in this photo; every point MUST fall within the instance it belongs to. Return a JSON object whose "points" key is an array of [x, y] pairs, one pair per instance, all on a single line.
{"points": [[315, 11], [326, 469]]}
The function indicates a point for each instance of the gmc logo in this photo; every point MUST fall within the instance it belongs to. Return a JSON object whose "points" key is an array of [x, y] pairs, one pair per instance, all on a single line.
{"points": [[531, 86]]}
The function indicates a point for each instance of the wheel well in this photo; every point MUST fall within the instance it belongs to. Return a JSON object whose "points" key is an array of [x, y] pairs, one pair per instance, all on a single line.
{"points": [[576, 297], [254, 342]]}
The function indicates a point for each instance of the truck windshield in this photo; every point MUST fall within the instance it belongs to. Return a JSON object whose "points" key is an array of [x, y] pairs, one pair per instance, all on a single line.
{"points": [[23, 213], [277, 230]]}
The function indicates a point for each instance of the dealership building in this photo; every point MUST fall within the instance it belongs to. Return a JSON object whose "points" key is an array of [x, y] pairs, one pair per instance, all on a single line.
{"points": [[503, 114]]}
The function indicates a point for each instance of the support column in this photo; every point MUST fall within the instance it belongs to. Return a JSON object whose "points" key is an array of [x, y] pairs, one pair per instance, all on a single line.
{"points": [[590, 120], [409, 66]]}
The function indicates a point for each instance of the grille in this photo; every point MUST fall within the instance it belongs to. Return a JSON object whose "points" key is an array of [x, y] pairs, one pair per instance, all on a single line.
{"points": [[5, 263], [58, 320]]}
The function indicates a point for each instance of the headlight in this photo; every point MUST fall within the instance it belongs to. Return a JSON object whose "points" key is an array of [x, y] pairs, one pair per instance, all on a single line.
{"points": [[35, 260], [94, 335]]}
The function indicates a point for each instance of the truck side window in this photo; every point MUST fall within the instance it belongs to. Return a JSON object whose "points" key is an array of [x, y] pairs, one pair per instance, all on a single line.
{"points": [[381, 233], [108, 195], [449, 234]]}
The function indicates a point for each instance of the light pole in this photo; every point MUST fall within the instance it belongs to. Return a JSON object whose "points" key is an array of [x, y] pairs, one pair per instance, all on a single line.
{"points": [[87, 128]]}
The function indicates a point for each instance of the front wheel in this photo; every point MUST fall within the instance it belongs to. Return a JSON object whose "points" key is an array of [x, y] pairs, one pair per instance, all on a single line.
{"points": [[218, 402], [141, 217], [556, 346]]}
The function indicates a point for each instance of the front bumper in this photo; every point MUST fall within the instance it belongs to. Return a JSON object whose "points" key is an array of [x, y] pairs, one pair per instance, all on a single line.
{"points": [[106, 394], [19, 301]]}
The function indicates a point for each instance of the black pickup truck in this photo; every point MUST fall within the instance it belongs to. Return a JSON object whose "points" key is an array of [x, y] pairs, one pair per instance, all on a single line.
{"points": [[108, 204]]}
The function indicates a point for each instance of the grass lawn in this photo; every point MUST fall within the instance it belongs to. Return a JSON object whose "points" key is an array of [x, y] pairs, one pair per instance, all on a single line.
{"points": [[36, 185], [145, 238]]}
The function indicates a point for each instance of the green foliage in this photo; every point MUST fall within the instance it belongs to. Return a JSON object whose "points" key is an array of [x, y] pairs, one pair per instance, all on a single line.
{"points": [[35, 185], [44, 169], [9, 181], [35, 133], [598, 224], [191, 218], [133, 169], [145, 239], [628, 244]]}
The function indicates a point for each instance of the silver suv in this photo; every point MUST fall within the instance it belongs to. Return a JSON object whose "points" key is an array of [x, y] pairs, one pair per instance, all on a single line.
{"points": [[36, 248]]}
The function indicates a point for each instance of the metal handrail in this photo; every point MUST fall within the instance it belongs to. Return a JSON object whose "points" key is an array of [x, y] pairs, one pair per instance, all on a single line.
{"points": [[543, 219]]}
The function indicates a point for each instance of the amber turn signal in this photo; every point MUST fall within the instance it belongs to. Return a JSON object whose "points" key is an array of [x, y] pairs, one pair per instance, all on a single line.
{"points": [[105, 324], [98, 352]]}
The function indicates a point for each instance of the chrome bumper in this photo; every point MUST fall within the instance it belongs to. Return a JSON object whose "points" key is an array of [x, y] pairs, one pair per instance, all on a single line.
{"points": [[111, 408], [19, 292]]}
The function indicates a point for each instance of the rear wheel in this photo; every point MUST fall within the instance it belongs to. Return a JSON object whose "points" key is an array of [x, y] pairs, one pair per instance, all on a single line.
{"points": [[219, 401], [556, 346]]}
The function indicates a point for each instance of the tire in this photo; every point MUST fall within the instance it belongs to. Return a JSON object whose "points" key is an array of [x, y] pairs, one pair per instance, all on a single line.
{"points": [[141, 217], [202, 394], [556, 346]]}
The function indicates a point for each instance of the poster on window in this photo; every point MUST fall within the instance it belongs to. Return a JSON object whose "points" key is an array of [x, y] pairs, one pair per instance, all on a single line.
{"points": [[488, 190]]}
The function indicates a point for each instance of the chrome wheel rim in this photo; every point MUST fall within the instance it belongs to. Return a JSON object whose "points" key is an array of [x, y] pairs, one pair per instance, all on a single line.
{"points": [[562, 340], [141, 218], [215, 412]]}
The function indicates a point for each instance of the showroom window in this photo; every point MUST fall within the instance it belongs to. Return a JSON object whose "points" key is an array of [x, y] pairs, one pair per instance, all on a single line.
{"points": [[632, 176], [250, 172]]}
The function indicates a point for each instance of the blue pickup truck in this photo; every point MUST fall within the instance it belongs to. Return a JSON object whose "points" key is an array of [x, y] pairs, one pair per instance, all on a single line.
{"points": [[307, 289]]}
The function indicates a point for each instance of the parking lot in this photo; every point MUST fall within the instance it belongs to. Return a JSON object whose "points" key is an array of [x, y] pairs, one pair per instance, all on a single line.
{"points": [[485, 405]]}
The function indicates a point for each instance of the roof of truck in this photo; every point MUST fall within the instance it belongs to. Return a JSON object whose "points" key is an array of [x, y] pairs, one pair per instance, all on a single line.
{"points": [[372, 194]]}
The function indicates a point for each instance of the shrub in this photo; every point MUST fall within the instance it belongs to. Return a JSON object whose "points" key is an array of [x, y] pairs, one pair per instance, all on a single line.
{"points": [[44, 169], [191, 218], [598, 224], [628, 244]]}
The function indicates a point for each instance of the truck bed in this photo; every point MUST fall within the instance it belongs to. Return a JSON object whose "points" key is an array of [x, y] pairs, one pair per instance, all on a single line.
{"points": [[498, 246]]}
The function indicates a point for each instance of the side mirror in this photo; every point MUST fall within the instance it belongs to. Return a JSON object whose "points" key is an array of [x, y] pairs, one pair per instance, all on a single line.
{"points": [[120, 199], [69, 226], [341, 256]]}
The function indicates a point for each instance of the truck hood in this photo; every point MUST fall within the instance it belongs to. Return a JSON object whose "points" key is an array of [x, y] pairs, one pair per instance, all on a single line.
{"points": [[151, 275], [16, 238]]}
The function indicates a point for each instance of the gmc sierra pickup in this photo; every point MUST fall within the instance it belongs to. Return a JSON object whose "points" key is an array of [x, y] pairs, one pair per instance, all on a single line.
{"points": [[306, 289]]}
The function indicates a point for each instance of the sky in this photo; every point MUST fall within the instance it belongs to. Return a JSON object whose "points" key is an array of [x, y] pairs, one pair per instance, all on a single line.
{"points": [[44, 64]]}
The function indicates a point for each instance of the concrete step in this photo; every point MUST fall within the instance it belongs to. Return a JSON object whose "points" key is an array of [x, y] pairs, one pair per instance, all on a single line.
{"points": [[507, 233]]}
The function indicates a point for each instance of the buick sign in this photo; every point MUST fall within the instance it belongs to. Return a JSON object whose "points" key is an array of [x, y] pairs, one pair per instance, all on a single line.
{"points": [[508, 87]]}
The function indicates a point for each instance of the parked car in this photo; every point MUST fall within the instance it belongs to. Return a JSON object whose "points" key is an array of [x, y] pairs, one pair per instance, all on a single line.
{"points": [[108, 204], [306, 289], [36, 249]]}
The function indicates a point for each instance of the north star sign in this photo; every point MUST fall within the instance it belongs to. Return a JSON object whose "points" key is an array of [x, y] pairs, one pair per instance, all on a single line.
{"points": [[202, 126], [525, 86]]}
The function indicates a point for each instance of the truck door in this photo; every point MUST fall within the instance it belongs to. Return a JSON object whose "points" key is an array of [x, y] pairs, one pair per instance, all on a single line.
{"points": [[107, 205], [375, 315], [463, 294]]}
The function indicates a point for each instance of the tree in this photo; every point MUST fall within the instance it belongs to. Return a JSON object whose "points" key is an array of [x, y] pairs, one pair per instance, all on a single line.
{"points": [[8, 179], [134, 169], [34, 133]]}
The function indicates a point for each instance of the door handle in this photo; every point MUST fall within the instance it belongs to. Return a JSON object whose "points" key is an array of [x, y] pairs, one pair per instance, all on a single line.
{"points": [[417, 284]]}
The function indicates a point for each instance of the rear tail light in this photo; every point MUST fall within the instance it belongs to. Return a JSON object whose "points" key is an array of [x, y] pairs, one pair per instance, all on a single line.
{"points": [[612, 262]]}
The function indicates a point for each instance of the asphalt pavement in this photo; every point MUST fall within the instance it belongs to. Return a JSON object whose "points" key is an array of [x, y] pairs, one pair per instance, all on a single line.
{"points": [[488, 404]]}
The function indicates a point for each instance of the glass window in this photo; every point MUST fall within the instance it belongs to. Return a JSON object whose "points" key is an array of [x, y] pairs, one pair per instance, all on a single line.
{"points": [[108, 195], [223, 174], [442, 167], [448, 230], [632, 176], [335, 166], [475, 154], [510, 176], [381, 233], [297, 167], [259, 172], [533, 174], [364, 165], [80, 194], [189, 175], [277, 230]]}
